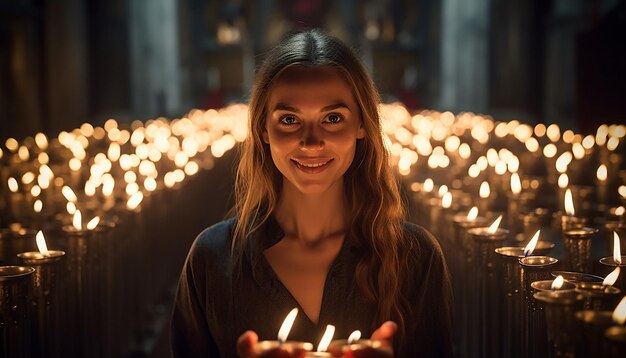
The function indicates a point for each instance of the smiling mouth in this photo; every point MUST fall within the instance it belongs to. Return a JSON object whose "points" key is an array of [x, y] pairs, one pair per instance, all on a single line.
{"points": [[312, 165]]}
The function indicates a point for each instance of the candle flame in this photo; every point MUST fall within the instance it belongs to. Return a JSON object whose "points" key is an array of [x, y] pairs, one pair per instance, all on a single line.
{"points": [[620, 211], [516, 184], [354, 336], [617, 254], [93, 223], [429, 185], [71, 208], [484, 190], [569, 203], [78, 220], [494, 227], [472, 214], [38, 205], [12, 182], [442, 190], [41, 244], [68, 193], [619, 315], [134, 201], [557, 283], [528, 250], [611, 278], [283, 332], [446, 201], [601, 173], [326, 338], [563, 181]]}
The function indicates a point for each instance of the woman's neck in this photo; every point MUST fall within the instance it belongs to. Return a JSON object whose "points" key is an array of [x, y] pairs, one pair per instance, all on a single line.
{"points": [[311, 217]]}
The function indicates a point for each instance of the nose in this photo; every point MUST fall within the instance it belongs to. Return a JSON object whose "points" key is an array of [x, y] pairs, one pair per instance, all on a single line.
{"points": [[311, 139]]}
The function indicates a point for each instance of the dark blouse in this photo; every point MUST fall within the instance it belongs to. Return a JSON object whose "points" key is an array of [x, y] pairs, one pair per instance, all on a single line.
{"points": [[216, 303]]}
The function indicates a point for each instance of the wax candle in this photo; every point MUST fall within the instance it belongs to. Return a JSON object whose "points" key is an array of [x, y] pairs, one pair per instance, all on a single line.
{"points": [[282, 347]]}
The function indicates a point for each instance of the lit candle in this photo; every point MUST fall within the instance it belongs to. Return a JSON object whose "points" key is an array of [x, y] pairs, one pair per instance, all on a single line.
{"points": [[282, 347], [354, 346], [322, 347]]}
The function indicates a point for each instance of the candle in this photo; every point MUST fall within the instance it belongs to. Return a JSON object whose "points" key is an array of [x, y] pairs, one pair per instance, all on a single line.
{"points": [[616, 335], [560, 308], [601, 296], [578, 248], [324, 342], [354, 346], [282, 347], [617, 260], [15, 317], [570, 220]]}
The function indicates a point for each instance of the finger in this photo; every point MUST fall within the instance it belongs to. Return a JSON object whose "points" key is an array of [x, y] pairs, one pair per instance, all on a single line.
{"points": [[246, 342], [385, 331]]}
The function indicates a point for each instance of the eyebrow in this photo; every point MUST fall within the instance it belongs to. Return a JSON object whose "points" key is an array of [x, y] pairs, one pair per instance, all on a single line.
{"points": [[285, 107]]}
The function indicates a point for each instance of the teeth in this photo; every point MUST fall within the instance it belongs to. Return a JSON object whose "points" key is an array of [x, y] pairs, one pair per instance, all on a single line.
{"points": [[312, 165]]}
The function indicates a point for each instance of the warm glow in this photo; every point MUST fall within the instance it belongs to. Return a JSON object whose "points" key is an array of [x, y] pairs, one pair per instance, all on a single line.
{"points": [[578, 150], [134, 201], [473, 171], [38, 206], [612, 143], [622, 191], [620, 211], [150, 184], [78, 220], [442, 190], [619, 315], [563, 181], [283, 332], [528, 250], [326, 338], [494, 227], [588, 142], [617, 254], [569, 203], [23, 153], [354, 336], [472, 214], [557, 283], [484, 190], [601, 173], [549, 151], [516, 184], [90, 188], [114, 152], [446, 200], [71, 208], [611, 278], [68, 193], [35, 190], [93, 223], [532, 145], [108, 184], [11, 144], [429, 185], [28, 178], [41, 140], [13, 185], [41, 244]]}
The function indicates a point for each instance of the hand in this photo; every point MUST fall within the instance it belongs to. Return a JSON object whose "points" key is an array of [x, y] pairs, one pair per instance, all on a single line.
{"points": [[384, 334], [245, 344]]}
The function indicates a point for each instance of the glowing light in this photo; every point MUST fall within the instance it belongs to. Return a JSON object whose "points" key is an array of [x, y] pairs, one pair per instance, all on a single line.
{"points": [[326, 338], [557, 283], [484, 190], [563, 181], [429, 185], [578, 150], [11, 144], [554, 132], [619, 315], [446, 200], [285, 328], [41, 244], [93, 223], [622, 191], [516, 184], [612, 143], [588, 142], [354, 336], [71, 208], [75, 164], [442, 190], [23, 153], [38, 206], [77, 222], [617, 255], [41, 140], [130, 177], [35, 191], [500, 168], [150, 184], [90, 188], [68, 193], [549, 151], [620, 211], [494, 227], [611, 278], [601, 173], [532, 145], [528, 250], [28, 178], [134, 201], [569, 203], [114, 152], [13, 186], [472, 214], [540, 130], [465, 151], [191, 168]]}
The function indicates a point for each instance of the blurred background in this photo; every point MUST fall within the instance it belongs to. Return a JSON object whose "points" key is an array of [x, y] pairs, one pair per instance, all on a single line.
{"points": [[65, 62]]}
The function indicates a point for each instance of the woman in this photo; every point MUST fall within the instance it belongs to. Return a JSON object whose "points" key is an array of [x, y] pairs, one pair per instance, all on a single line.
{"points": [[318, 225]]}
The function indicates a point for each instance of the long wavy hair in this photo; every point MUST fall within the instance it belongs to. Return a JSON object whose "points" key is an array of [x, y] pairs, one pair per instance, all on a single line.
{"points": [[375, 219]]}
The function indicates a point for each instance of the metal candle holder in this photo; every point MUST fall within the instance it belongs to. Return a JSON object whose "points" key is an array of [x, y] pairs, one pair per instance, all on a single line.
{"points": [[47, 301], [560, 308], [487, 282], [599, 297], [578, 248], [15, 322], [592, 325], [513, 306], [616, 341], [533, 268], [14, 240], [609, 264]]}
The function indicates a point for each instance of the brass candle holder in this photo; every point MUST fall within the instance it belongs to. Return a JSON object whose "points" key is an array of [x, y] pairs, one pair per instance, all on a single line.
{"points": [[15, 314], [578, 248], [592, 325], [560, 308]]}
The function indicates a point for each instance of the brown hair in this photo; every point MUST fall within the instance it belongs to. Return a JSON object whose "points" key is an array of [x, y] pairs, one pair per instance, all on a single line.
{"points": [[375, 220]]}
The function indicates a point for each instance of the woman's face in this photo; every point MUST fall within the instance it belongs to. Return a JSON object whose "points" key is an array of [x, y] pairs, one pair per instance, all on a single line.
{"points": [[312, 126]]}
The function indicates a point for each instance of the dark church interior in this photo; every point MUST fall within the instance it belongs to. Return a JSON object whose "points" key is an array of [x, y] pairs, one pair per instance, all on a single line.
{"points": [[121, 123]]}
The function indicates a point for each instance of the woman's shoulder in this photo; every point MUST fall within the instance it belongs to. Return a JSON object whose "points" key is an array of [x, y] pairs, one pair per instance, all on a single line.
{"points": [[215, 241], [420, 241]]}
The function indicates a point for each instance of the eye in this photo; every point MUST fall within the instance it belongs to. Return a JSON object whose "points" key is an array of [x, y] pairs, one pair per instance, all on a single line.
{"points": [[288, 120], [334, 118]]}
